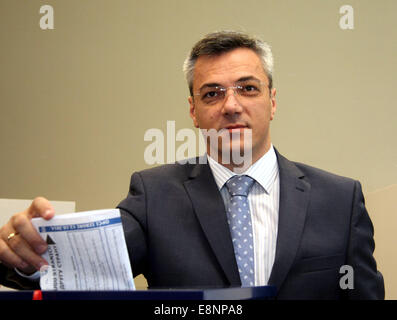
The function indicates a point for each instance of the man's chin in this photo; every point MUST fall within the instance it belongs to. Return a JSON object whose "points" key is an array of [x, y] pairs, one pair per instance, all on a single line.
{"points": [[235, 132], [230, 147]]}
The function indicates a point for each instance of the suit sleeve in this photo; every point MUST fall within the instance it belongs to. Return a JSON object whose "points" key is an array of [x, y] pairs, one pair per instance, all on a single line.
{"points": [[368, 281], [9, 278], [133, 216]]}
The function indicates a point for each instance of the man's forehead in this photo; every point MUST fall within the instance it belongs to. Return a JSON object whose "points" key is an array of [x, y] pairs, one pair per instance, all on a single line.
{"points": [[228, 66]]}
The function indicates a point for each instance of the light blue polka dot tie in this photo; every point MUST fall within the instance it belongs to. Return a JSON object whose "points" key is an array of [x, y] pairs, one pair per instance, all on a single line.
{"points": [[239, 219]]}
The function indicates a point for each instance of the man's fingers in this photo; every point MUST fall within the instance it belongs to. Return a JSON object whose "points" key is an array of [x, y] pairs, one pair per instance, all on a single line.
{"points": [[19, 247], [25, 229], [41, 207], [20, 243], [9, 258]]}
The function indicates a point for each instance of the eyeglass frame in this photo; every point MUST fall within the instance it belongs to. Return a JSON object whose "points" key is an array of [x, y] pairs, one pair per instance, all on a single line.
{"points": [[235, 89]]}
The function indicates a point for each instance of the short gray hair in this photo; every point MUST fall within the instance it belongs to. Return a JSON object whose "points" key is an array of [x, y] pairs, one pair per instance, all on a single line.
{"points": [[220, 42]]}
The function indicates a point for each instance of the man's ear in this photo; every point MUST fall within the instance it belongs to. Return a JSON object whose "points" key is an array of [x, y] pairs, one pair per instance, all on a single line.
{"points": [[273, 102], [193, 111]]}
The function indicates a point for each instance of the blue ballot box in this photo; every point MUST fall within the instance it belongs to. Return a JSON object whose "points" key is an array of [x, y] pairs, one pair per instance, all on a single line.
{"points": [[251, 293]]}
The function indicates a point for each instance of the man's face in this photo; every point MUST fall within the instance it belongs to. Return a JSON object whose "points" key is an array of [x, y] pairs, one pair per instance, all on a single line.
{"points": [[234, 112]]}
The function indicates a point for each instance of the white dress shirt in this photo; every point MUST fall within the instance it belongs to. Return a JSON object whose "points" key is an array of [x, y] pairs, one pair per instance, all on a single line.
{"points": [[264, 200]]}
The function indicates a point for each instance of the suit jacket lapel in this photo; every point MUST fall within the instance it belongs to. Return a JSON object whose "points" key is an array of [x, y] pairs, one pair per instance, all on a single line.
{"points": [[210, 211], [294, 199]]}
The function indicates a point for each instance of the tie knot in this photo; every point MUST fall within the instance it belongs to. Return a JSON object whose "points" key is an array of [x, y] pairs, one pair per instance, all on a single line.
{"points": [[239, 185]]}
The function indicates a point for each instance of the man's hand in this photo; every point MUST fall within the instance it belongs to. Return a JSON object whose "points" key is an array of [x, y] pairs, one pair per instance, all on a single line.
{"points": [[20, 243]]}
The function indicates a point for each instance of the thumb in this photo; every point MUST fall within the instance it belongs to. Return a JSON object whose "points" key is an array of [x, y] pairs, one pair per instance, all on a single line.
{"points": [[41, 207]]}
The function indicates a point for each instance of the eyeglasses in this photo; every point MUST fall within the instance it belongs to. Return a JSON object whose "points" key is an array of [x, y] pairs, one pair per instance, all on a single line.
{"points": [[212, 94]]}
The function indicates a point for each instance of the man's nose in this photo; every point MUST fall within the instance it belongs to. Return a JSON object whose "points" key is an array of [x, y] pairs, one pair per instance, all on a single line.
{"points": [[231, 105]]}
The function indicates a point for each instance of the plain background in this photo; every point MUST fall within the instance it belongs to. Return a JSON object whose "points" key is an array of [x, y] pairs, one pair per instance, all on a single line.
{"points": [[76, 101]]}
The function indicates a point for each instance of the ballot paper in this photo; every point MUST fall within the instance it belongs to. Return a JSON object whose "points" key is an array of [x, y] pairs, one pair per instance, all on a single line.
{"points": [[86, 251]]}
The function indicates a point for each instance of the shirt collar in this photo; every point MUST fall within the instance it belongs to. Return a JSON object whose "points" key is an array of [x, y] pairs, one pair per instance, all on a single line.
{"points": [[264, 171]]}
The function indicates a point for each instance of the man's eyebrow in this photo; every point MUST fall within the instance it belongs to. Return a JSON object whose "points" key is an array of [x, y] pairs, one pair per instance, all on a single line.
{"points": [[215, 84], [210, 85], [247, 78]]}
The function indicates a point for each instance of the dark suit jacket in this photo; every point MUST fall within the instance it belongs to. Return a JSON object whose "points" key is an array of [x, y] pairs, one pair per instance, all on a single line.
{"points": [[177, 234]]}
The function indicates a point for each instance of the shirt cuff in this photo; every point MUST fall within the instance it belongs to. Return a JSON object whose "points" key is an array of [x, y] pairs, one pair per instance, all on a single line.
{"points": [[33, 277]]}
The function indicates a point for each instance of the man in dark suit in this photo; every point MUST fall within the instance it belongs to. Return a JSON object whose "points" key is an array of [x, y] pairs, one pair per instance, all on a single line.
{"points": [[178, 234], [298, 225]]}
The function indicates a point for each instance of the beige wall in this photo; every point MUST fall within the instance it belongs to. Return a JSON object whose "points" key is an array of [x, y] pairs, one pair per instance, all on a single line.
{"points": [[382, 203], [76, 101]]}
